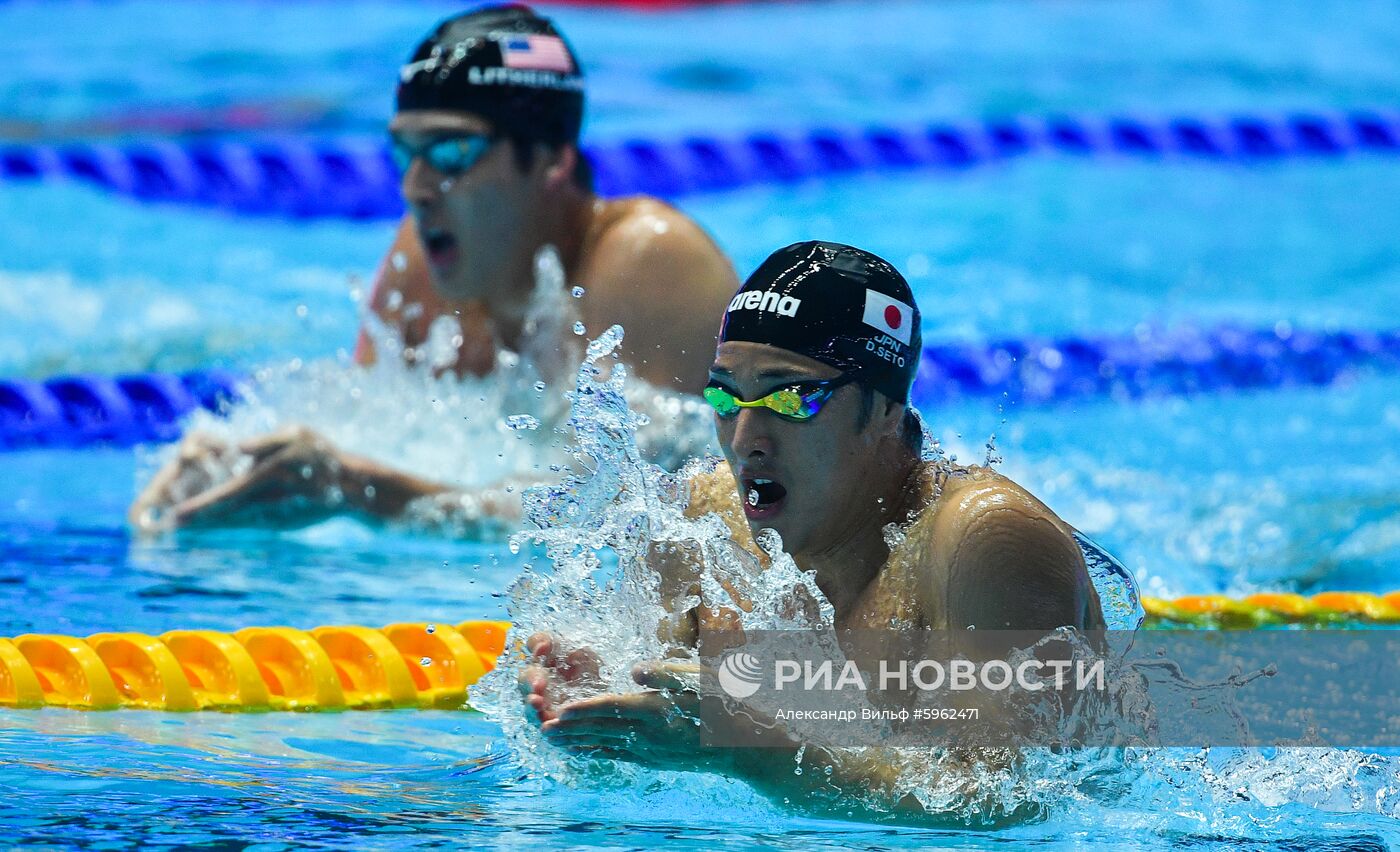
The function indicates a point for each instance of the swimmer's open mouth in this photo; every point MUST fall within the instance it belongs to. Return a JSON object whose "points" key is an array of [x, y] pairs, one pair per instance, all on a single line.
{"points": [[762, 497], [441, 247]]}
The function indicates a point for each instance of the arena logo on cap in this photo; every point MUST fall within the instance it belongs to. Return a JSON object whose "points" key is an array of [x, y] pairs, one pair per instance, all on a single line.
{"points": [[759, 300], [889, 316]]}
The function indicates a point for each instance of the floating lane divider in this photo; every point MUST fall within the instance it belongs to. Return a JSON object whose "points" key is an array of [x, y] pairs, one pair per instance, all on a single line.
{"points": [[258, 668], [78, 411], [425, 666], [355, 178], [1150, 363], [1274, 609]]}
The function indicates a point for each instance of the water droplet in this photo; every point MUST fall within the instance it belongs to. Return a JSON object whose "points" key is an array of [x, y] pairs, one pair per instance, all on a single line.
{"points": [[522, 421], [579, 329], [993, 456], [301, 311], [425, 661], [539, 386], [398, 261], [431, 628], [577, 292], [893, 535], [753, 496], [307, 472], [446, 186]]}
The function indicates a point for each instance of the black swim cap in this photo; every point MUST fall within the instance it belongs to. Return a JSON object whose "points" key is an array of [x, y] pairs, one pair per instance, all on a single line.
{"points": [[504, 63], [835, 303]]}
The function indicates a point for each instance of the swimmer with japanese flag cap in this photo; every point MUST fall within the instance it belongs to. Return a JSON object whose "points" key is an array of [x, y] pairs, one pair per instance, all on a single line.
{"points": [[810, 389]]}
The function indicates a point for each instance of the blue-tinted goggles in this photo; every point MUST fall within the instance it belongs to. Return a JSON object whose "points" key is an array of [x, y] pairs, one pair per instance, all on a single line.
{"points": [[449, 156]]}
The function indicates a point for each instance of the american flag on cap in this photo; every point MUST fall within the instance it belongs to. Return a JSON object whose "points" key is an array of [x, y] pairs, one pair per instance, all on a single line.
{"points": [[536, 53]]}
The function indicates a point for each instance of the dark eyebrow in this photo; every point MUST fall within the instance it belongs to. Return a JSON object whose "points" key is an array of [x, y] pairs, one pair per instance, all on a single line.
{"points": [[778, 376], [786, 374]]}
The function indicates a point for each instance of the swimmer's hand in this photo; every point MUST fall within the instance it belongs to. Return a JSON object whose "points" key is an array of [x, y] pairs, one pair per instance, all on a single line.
{"points": [[201, 462], [553, 673], [294, 473], [676, 722], [672, 724]]}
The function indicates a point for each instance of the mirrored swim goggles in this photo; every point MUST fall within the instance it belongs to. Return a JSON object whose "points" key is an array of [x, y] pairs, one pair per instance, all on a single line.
{"points": [[450, 156], [797, 402]]}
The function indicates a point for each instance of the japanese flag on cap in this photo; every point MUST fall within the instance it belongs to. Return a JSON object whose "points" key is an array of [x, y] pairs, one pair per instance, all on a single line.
{"points": [[889, 316]]}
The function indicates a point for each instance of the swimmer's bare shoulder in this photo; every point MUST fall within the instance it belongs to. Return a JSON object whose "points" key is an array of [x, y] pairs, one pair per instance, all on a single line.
{"points": [[1003, 559], [650, 268]]}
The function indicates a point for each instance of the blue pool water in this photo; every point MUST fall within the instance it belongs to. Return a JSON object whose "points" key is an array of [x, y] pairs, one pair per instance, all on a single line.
{"points": [[1284, 489]]}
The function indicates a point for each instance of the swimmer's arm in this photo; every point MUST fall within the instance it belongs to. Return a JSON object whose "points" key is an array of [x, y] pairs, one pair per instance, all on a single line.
{"points": [[381, 491], [298, 469], [300, 477], [673, 723], [1016, 569], [665, 281], [386, 494]]}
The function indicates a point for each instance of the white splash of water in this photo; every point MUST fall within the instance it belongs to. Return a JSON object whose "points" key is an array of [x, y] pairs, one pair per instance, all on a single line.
{"points": [[409, 412], [597, 529]]}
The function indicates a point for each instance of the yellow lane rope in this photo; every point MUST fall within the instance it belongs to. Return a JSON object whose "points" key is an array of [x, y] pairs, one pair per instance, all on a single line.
{"points": [[430, 666], [257, 668], [1326, 609]]}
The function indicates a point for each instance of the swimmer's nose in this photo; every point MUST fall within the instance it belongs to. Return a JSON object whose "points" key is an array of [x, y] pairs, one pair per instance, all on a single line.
{"points": [[421, 185], [753, 437]]}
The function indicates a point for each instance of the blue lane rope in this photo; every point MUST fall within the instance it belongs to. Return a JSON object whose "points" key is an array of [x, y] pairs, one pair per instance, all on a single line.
{"points": [[354, 177], [77, 411]]}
